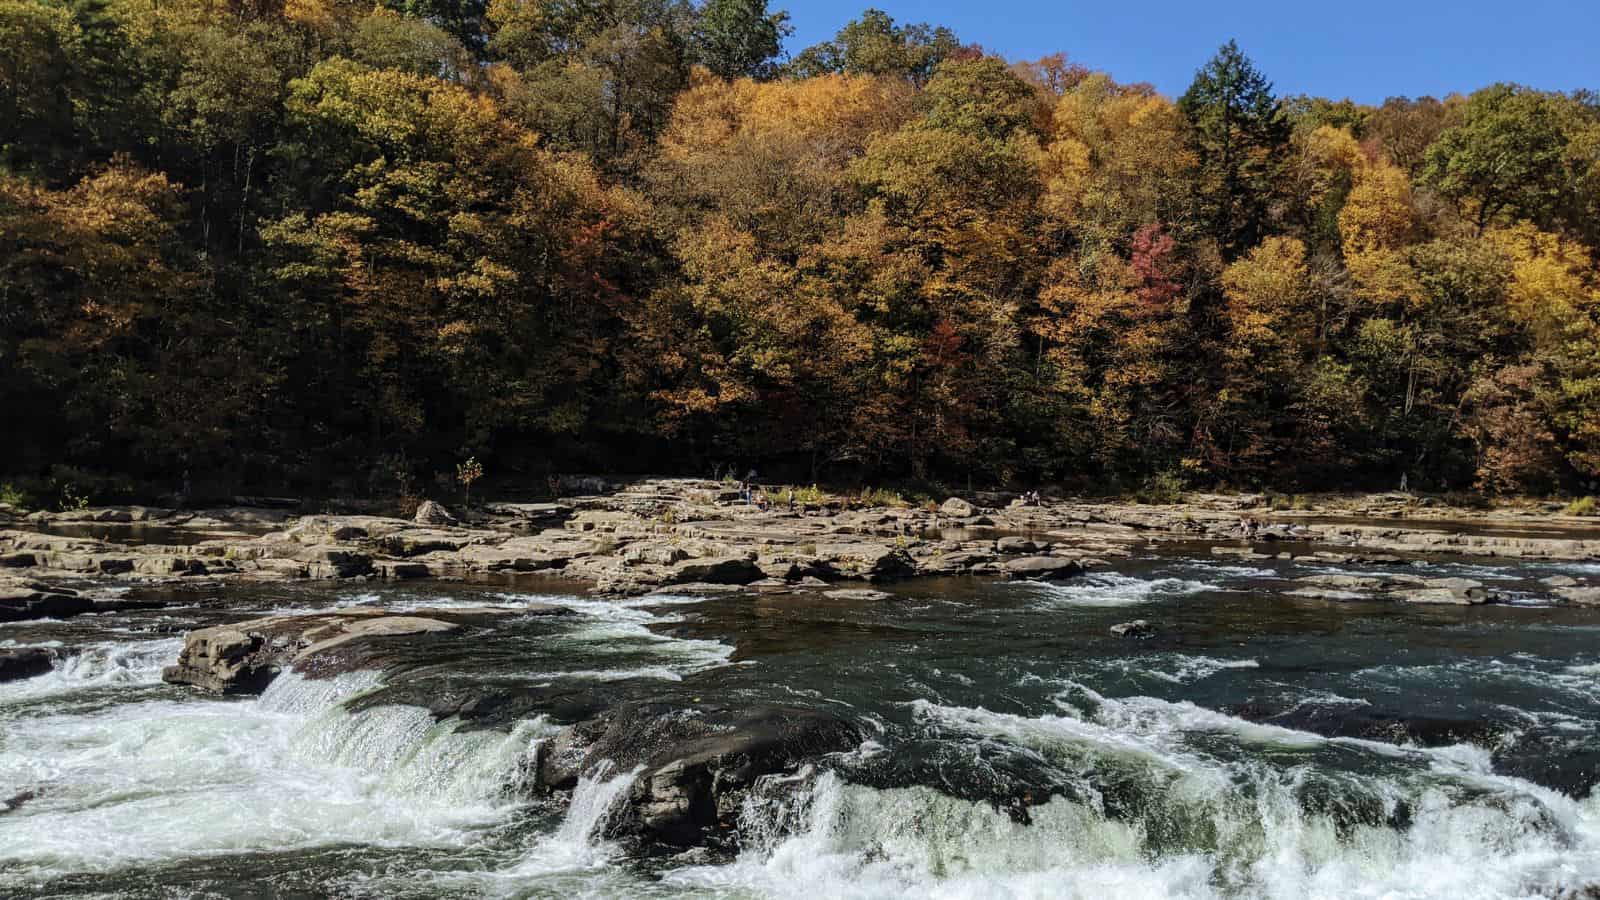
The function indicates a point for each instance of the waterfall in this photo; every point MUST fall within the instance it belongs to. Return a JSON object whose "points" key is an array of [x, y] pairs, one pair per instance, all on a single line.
{"points": [[139, 783], [1169, 803]]}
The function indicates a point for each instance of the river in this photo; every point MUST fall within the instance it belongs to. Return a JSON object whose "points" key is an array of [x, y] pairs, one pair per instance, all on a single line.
{"points": [[1259, 745]]}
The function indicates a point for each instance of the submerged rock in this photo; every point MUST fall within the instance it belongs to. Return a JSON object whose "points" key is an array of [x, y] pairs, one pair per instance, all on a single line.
{"points": [[696, 764], [1378, 724], [15, 801]]}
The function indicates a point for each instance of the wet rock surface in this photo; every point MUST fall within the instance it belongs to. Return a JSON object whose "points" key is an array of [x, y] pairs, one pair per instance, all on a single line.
{"points": [[1138, 628], [697, 765], [18, 663], [244, 657]]}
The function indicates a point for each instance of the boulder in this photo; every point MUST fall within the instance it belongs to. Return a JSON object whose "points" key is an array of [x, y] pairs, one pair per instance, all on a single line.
{"points": [[24, 662], [717, 570], [957, 508], [1014, 545], [327, 561], [233, 659], [431, 513], [1038, 568], [1580, 596], [697, 765], [867, 560], [244, 657], [955, 562], [1138, 628]]}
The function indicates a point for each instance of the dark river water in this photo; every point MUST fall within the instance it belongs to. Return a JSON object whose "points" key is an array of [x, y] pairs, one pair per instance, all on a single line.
{"points": [[1260, 745]]}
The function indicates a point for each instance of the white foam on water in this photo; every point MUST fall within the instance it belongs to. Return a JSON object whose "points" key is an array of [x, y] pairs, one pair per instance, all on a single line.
{"points": [[1575, 681], [1206, 826], [1111, 589], [161, 780], [96, 666], [394, 602], [579, 843], [838, 840], [1508, 572], [1233, 571], [623, 627], [1182, 668]]}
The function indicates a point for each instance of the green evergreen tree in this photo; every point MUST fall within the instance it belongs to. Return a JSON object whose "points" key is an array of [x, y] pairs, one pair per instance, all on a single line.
{"points": [[1239, 134]]}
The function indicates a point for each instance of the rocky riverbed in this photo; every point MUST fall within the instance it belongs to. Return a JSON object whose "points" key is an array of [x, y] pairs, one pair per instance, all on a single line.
{"points": [[628, 539], [1025, 704]]}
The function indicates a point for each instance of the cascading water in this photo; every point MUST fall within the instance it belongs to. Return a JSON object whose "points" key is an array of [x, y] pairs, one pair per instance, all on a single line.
{"points": [[101, 665], [1010, 748], [1171, 804], [165, 779]]}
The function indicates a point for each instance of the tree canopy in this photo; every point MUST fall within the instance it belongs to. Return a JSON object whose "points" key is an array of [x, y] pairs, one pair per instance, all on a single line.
{"points": [[320, 246]]}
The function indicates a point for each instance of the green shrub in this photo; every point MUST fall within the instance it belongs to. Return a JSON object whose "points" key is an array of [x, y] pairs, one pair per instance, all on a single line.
{"points": [[807, 495], [11, 495], [1163, 488], [1583, 506], [881, 497]]}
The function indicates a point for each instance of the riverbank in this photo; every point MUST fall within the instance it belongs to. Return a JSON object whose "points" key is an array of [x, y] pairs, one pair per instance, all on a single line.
{"points": [[631, 538]]}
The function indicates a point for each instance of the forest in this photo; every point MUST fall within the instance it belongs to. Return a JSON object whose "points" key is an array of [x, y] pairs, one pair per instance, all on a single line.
{"points": [[324, 247]]}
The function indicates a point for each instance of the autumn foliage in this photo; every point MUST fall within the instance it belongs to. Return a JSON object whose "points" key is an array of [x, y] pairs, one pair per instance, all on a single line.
{"points": [[326, 246]]}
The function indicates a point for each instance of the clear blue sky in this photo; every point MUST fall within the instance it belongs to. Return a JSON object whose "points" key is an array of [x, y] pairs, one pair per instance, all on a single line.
{"points": [[1362, 49]]}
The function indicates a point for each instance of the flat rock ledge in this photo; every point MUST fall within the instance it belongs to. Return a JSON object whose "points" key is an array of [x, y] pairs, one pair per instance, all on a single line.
{"points": [[652, 534], [1396, 587], [24, 598], [245, 657], [633, 540]]}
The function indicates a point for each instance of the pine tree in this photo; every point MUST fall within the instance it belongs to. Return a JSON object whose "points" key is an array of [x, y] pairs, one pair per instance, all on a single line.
{"points": [[1238, 136]]}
